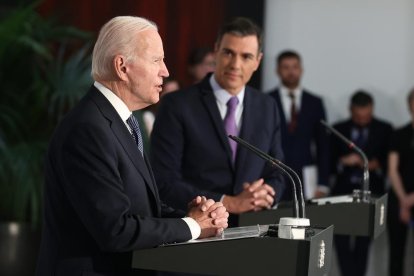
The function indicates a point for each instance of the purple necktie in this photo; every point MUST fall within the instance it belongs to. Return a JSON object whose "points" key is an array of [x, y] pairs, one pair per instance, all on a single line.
{"points": [[230, 123]]}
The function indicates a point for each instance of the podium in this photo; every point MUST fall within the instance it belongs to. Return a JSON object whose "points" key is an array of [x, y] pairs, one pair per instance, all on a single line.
{"points": [[262, 255], [349, 218]]}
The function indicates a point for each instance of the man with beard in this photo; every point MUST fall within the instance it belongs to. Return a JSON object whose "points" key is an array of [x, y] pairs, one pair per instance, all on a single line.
{"points": [[304, 140]]}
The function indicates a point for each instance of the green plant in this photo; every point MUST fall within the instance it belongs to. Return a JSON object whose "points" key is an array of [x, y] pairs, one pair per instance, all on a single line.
{"points": [[44, 70]]}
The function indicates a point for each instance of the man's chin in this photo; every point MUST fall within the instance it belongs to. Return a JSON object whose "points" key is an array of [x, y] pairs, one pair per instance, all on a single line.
{"points": [[155, 99], [292, 84]]}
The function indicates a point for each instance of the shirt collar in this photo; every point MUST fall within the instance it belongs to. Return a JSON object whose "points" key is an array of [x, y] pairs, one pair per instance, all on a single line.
{"points": [[222, 95], [285, 91], [120, 107]]}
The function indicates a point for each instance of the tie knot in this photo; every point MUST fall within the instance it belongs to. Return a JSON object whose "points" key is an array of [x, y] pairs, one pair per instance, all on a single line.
{"points": [[136, 133], [233, 102], [291, 95], [132, 122]]}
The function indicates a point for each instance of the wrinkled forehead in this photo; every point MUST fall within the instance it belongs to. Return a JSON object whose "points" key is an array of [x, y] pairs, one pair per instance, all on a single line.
{"points": [[149, 42]]}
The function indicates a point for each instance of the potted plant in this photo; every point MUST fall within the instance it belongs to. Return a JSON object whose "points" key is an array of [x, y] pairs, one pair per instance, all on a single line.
{"points": [[45, 69]]}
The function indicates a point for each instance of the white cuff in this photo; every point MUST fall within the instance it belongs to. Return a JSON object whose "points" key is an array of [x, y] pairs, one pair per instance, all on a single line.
{"points": [[194, 227], [221, 198]]}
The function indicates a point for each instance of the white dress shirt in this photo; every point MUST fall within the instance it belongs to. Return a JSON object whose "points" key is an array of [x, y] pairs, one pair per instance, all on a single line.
{"points": [[287, 101], [287, 105], [222, 97], [124, 112]]}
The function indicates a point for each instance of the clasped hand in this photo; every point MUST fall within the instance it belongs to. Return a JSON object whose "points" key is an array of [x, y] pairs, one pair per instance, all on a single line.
{"points": [[255, 196], [210, 215]]}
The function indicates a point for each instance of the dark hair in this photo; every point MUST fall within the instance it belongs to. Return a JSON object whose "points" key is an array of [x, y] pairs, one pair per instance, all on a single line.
{"points": [[197, 55], [361, 98], [288, 54], [241, 26]]}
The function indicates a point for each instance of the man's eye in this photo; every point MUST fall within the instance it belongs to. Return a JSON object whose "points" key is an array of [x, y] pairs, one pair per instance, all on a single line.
{"points": [[227, 53]]}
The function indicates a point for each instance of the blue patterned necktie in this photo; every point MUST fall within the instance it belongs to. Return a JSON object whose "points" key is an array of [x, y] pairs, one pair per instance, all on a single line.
{"points": [[136, 132], [359, 137]]}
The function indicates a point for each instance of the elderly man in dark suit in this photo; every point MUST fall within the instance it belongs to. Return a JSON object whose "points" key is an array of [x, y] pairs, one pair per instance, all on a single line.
{"points": [[304, 140], [101, 200], [191, 151]]}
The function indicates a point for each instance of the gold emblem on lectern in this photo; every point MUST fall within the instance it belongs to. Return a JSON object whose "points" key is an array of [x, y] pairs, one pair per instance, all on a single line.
{"points": [[382, 214], [321, 259]]}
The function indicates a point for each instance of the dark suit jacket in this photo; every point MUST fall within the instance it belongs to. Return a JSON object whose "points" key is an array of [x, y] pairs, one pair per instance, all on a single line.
{"points": [[101, 201], [379, 134], [190, 151], [297, 147]]}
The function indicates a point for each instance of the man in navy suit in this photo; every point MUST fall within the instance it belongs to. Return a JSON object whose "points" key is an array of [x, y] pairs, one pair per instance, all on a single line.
{"points": [[101, 201], [304, 140], [373, 137], [191, 152]]}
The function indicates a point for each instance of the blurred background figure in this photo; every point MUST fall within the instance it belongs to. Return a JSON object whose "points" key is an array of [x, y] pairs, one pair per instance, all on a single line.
{"points": [[401, 194], [372, 136], [169, 85], [304, 140], [200, 63], [146, 117]]}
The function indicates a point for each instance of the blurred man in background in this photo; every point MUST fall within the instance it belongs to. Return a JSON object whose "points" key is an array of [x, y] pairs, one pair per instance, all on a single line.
{"points": [[200, 63], [372, 136], [304, 139], [401, 195]]}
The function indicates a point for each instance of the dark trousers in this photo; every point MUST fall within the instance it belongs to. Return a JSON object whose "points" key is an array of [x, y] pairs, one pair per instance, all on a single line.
{"points": [[397, 237], [352, 254]]}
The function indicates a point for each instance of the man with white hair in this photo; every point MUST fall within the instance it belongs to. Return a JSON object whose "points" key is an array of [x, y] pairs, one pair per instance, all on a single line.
{"points": [[101, 201]]}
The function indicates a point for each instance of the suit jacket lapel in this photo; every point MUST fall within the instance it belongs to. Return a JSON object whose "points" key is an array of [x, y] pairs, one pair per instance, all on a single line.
{"points": [[156, 193], [281, 113], [304, 111], [124, 137], [209, 101], [246, 130]]}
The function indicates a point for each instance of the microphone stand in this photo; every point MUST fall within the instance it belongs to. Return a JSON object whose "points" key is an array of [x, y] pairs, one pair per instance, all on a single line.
{"points": [[363, 195], [289, 228]]}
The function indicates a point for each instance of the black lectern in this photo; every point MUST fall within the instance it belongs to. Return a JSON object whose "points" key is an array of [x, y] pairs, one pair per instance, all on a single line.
{"points": [[349, 218], [245, 256]]}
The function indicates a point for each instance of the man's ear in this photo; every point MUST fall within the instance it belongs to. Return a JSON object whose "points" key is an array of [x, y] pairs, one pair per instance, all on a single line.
{"points": [[259, 59], [120, 67]]}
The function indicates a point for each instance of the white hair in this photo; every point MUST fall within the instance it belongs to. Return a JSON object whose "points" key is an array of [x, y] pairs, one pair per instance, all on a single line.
{"points": [[117, 37]]}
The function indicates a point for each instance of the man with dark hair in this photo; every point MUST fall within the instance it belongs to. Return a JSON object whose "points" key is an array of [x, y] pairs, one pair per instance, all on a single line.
{"points": [[364, 130], [373, 137], [304, 140], [288, 54], [192, 153], [361, 99]]}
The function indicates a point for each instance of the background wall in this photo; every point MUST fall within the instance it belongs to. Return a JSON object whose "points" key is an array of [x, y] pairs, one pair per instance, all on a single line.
{"points": [[183, 24], [346, 45]]}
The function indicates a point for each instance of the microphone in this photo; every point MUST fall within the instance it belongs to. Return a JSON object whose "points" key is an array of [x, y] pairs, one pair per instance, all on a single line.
{"points": [[289, 228], [363, 195]]}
